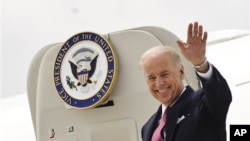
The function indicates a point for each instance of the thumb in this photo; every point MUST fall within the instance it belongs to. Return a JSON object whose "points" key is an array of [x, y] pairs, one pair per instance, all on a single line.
{"points": [[180, 44]]}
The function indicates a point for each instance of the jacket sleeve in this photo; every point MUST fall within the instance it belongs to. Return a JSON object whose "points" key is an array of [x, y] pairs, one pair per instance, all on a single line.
{"points": [[217, 96]]}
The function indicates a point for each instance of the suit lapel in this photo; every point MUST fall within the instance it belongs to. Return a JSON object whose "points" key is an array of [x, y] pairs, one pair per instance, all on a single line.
{"points": [[152, 124], [174, 112]]}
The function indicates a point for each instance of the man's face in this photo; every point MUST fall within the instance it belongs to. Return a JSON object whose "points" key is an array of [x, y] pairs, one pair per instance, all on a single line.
{"points": [[163, 77]]}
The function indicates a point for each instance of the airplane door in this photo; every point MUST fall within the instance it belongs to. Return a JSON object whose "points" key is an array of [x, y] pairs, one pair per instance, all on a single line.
{"points": [[122, 114]]}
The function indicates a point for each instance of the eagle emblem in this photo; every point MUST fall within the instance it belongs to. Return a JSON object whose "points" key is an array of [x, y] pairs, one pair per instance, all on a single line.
{"points": [[85, 70], [83, 64]]}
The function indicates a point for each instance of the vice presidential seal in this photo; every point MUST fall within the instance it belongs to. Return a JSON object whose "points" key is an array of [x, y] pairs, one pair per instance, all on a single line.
{"points": [[85, 70]]}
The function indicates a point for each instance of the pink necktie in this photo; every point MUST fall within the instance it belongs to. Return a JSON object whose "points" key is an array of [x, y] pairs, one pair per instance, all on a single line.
{"points": [[157, 133]]}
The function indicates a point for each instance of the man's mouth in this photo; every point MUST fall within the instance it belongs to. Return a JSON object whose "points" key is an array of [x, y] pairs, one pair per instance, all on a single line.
{"points": [[162, 90]]}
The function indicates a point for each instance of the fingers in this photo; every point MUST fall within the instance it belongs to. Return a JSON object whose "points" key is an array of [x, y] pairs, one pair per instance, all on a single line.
{"points": [[200, 32], [205, 37], [196, 31], [190, 31]]}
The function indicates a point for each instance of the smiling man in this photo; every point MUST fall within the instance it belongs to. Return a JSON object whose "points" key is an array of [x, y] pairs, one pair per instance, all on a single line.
{"points": [[185, 114]]}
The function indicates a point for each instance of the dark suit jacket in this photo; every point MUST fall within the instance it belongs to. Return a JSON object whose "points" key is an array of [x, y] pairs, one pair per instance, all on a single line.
{"points": [[205, 112]]}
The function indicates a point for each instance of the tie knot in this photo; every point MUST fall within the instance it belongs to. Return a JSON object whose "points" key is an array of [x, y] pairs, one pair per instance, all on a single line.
{"points": [[164, 114], [164, 117]]}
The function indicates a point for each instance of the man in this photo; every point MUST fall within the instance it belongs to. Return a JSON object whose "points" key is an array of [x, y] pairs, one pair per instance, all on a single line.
{"points": [[189, 115]]}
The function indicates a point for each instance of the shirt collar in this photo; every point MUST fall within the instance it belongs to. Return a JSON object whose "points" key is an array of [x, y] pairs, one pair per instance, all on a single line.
{"points": [[163, 107]]}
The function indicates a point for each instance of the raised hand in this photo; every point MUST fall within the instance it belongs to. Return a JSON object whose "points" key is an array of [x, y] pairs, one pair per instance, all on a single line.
{"points": [[194, 49]]}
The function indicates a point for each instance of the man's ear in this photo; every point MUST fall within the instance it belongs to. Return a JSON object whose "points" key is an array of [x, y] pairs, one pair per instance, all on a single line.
{"points": [[182, 72]]}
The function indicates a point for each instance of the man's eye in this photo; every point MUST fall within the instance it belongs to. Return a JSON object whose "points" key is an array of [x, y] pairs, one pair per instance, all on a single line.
{"points": [[164, 74], [151, 78]]}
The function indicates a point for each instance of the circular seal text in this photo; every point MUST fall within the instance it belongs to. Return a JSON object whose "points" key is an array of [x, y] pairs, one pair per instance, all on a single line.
{"points": [[85, 70]]}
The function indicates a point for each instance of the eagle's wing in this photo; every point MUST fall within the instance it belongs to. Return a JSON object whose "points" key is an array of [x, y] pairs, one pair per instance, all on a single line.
{"points": [[93, 66], [73, 69]]}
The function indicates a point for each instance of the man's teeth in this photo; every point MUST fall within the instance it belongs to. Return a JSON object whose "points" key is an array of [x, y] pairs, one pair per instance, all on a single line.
{"points": [[162, 91]]}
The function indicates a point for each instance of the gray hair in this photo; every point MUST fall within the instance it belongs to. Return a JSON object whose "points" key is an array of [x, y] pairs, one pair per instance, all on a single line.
{"points": [[173, 54]]}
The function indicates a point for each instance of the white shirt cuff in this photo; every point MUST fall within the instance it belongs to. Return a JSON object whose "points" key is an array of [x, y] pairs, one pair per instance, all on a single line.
{"points": [[208, 74]]}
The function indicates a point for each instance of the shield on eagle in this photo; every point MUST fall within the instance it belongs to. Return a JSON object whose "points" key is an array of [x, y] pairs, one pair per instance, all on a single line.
{"points": [[83, 64]]}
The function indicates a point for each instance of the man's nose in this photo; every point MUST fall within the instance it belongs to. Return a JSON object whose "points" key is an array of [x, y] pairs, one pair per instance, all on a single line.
{"points": [[159, 82]]}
